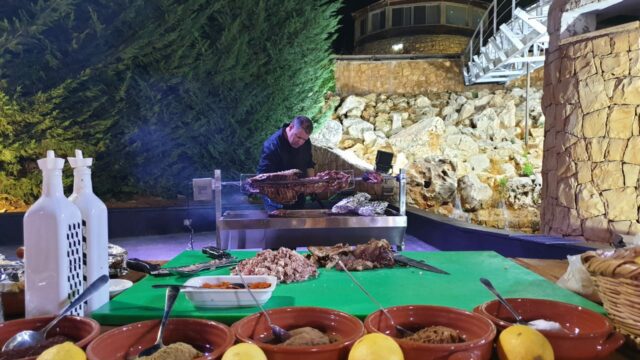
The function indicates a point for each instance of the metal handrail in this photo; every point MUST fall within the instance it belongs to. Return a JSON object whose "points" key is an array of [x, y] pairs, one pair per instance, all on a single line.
{"points": [[499, 12]]}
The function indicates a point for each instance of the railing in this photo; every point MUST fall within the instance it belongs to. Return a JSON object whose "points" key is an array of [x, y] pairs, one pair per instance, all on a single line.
{"points": [[499, 12]]}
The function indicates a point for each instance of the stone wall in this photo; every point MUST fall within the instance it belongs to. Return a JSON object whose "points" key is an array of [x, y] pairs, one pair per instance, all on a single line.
{"points": [[398, 76], [417, 44], [591, 160]]}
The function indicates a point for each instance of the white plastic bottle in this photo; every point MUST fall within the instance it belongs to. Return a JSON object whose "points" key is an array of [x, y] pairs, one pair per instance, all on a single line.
{"points": [[52, 246], [95, 238]]}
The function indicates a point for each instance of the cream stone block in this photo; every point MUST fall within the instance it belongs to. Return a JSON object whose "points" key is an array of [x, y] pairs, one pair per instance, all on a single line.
{"points": [[567, 192], [595, 124], [621, 204], [620, 42], [616, 148], [620, 227], [596, 229], [566, 91], [632, 153], [585, 67], [627, 91], [609, 86], [601, 46], [634, 63], [580, 49], [566, 167], [634, 40], [575, 223], [578, 151], [608, 175], [592, 96], [584, 172], [634, 228], [588, 201], [615, 65], [621, 119], [573, 123], [631, 172], [597, 148], [566, 68]]}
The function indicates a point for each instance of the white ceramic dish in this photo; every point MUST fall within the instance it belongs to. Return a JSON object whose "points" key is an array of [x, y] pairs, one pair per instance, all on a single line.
{"points": [[116, 286], [219, 298]]}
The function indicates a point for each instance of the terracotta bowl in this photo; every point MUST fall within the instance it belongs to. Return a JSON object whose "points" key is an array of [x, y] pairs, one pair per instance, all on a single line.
{"points": [[127, 341], [477, 330], [346, 328], [585, 335], [79, 329]]}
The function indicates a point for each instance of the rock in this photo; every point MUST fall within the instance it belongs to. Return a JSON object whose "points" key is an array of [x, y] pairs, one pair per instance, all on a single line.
{"points": [[371, 99], [448, 110], [474, 195], [479, 163], [467, 110], [486, 122], [422, 101], [356, 127], [352, 103], [461, 143], [520, 192], [508, 170], [329, 135], [431, 181], [483, 101], [383, 107], [621, 204], [507, 116], [419, 140], [396, 122]]}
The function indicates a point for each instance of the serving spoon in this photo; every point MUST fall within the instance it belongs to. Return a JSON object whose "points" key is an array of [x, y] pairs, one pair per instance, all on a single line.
{"points": [[172, 295], [279, 333], [402, 331], [29, 338], [489, 286]]}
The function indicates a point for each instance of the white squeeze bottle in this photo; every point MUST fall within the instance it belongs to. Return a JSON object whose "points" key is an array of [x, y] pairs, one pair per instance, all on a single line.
{"points": [[95, 251], [52, 246]]}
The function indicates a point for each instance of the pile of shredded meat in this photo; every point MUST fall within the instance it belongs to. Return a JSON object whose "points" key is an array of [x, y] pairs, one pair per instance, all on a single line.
{"points": [[372, 255], [308, 336], [436, 335], [285, 264]]}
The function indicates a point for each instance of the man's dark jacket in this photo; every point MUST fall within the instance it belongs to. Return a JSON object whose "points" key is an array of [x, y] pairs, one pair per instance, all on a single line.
{"points": [[279, 155]]}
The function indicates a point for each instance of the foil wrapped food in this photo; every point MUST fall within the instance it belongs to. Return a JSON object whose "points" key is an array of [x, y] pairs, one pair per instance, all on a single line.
{"points": [[117, 261], [359, 204]]}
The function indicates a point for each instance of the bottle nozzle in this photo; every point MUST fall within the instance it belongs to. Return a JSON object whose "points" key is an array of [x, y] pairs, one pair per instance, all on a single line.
{"points": [[79, 161]]}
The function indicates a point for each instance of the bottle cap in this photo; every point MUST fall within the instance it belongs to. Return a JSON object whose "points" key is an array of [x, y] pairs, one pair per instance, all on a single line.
{"points": [[51, 162], [79, 161]]}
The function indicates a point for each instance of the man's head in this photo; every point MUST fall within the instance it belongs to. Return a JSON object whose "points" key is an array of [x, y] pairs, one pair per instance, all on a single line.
{"points": [[299, 130]]}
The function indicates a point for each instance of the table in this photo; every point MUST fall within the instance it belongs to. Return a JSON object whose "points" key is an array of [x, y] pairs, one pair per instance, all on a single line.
{"points": [[396, 286]]}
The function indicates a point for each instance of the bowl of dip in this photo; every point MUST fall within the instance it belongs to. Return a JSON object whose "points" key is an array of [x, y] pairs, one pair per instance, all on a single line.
{"points": [[210, 338], [573, 331], [440, 332], [322, 334]]}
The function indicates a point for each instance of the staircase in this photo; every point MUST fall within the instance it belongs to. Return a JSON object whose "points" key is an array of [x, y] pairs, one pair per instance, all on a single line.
{"points": [[512, 34]]}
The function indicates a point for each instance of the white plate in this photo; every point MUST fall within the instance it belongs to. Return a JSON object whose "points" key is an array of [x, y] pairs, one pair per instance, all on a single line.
{"points": [[116, 286], [219, 298]]}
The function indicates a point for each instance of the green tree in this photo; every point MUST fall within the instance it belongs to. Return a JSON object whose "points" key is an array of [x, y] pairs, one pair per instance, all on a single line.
{"points": [[164, 91]]}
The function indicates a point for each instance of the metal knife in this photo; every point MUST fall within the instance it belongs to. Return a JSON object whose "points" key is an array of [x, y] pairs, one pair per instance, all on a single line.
{"points": [[420, 264], [156, 270]]}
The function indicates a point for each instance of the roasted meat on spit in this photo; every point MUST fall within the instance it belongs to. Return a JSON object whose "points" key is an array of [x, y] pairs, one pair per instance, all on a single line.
{"points": [[285, 186], [372, 255]]}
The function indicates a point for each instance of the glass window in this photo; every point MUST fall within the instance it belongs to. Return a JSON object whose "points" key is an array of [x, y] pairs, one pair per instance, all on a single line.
{"points": [[433, 14], [363, 26], [476, 17], [378, 20], [419, 15], [400, 16], [456, 15]]}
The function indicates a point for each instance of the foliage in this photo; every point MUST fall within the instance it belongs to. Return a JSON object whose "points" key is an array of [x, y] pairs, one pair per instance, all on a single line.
{"points": [[159, 92], [502, 187], [527, 167]]}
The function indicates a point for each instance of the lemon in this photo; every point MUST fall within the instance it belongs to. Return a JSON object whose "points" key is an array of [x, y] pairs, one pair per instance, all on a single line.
{"points": [[376, 346], [244, 351], [520, 342], [64, 351]]}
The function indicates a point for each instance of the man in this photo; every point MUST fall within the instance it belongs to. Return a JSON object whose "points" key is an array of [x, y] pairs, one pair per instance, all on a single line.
{"points": [[288, 148]]}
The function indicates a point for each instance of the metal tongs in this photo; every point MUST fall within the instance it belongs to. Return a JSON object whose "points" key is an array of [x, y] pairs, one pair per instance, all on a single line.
{"points": [[188, 270]]}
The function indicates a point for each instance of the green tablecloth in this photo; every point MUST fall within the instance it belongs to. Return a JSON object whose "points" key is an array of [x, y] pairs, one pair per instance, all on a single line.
{"points": [[333, 289]]}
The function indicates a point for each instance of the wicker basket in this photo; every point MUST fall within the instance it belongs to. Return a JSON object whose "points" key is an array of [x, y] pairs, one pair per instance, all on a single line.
{"points": [[616, 275]]}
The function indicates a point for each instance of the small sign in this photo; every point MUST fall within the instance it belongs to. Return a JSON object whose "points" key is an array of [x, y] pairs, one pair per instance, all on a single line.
{"points": [[203, 189]]}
